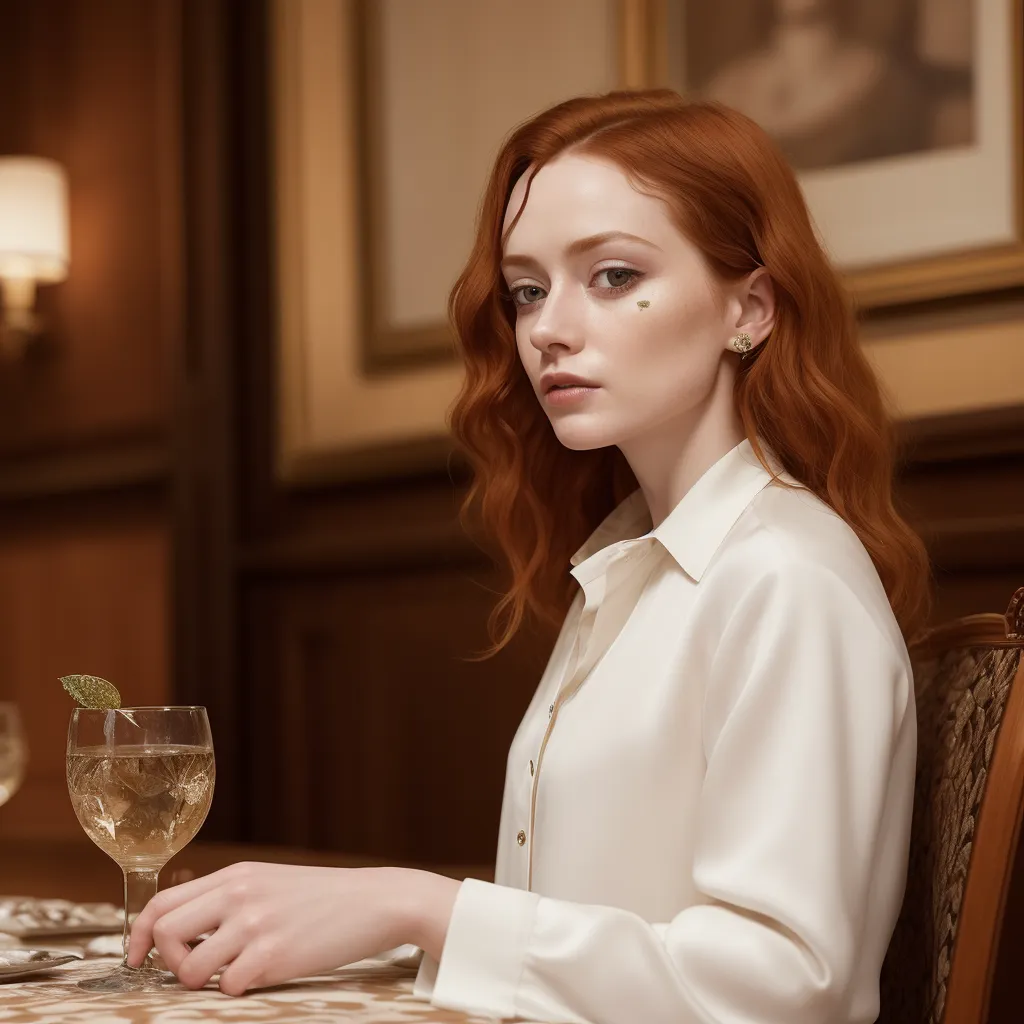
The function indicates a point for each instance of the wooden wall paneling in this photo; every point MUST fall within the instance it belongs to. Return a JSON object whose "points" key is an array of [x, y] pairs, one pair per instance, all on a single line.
{"points": [[84, 418], [204, 482], [972, 512], [91, 88], [275, 521], [967, 592], [89, 598], [962, 485], [372, 734]]}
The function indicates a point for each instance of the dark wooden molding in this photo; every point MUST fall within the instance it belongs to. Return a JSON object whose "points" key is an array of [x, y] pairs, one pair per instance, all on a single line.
{"points": [[964, 435], [985, 542], [961, 482], [113, 465], [424, 456], [417, 541], [408, 547], [959, 308], [205, 640]]}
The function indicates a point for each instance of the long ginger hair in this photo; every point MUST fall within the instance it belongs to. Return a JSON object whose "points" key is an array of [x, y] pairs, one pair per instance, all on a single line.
{"points": [[807, 391]]}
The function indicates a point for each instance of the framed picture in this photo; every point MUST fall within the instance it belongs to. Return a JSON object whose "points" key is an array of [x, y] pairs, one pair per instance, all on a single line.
{"points": [[387, 117], [903, 118], [376, 193]]}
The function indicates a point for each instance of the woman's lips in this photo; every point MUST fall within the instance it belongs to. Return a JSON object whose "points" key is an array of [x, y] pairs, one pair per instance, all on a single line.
{"points": [[569, 395]]}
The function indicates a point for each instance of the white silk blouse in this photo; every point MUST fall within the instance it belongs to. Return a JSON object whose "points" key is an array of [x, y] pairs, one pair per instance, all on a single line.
{"points": [[707, 805]]}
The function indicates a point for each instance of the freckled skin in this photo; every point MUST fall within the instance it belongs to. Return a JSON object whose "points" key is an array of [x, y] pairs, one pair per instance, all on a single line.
{"points": [[665, 370]]}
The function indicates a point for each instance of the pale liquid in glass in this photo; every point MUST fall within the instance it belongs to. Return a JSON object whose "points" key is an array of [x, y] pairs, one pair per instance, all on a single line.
{"points": [[141, 805], [12, 766]]}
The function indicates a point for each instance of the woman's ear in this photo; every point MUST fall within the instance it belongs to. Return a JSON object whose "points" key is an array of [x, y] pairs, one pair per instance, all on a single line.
{"points": [[756, 299]]}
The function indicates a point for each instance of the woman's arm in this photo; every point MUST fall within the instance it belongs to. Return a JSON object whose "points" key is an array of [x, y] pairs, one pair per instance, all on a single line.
{"points": [[428, 910], [273, 922], [803, 828]]}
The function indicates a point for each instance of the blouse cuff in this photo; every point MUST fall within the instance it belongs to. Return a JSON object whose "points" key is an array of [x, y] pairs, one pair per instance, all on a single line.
{"points": [[485, 949]]}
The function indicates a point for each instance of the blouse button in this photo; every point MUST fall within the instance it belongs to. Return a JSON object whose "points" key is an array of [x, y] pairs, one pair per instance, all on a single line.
{"points": [[521, 838], [531, 767]]}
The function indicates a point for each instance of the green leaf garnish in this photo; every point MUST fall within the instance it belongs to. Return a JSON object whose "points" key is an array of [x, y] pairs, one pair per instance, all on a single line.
{"points": [[92, 691]]}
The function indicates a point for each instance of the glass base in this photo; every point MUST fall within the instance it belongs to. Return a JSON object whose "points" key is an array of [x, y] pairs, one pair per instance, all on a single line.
{"points": [[129, 979]]}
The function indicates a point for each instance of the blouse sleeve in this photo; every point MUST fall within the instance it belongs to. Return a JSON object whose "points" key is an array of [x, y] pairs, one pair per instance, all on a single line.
{"points": [[810, 741]]}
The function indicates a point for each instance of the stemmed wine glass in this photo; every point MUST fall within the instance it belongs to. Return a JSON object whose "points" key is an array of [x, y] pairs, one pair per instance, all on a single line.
{"points": [[13, 751], [141, 782]]}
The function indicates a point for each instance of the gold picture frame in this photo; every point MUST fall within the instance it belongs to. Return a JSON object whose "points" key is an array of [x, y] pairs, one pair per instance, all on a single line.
{"points": [[404, 122], [386, 348], [974, 267], [343, 415]]}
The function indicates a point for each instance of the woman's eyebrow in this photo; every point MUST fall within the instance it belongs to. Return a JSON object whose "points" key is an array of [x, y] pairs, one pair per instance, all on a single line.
{"points": [[581, 245]]}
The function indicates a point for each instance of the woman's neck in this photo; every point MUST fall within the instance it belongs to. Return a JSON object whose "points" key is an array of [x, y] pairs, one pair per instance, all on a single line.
{"points": [[668, 461]]}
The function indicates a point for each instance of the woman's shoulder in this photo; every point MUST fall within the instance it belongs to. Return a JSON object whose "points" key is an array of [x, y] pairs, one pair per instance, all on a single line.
{"points": [[791, 544]]}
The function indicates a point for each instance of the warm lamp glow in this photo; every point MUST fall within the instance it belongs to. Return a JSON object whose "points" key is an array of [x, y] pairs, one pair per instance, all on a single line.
{"points": [[33, 219], [33, 237]]}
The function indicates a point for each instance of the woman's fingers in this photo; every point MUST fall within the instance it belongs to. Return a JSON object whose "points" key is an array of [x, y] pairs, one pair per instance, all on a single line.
{"points": [[164, 902], [172, 931], [256, 966], [203, 962]]}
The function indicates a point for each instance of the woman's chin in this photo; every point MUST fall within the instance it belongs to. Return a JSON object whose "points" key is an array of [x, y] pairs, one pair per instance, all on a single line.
{"points": [[582, 440]]}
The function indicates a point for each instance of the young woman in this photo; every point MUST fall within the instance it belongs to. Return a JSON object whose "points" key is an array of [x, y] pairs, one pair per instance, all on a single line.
{"points": [[684, 456]]}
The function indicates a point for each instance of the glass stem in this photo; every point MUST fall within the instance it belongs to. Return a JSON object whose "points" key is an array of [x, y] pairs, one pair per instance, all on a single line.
{"points": [[139, 889]]}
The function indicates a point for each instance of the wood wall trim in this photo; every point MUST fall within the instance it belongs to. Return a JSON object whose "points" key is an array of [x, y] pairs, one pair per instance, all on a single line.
{"points": [[211, 35], [964, 435], [133, 461], [987, 542], [408, 546], [111, 466], [978, 540]]}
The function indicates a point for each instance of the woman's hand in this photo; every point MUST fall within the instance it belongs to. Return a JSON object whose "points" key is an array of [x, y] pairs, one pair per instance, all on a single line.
{"points": [[273, 922]]}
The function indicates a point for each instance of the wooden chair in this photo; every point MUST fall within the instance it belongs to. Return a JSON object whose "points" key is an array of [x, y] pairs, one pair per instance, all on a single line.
{"points": [[968, 806]]}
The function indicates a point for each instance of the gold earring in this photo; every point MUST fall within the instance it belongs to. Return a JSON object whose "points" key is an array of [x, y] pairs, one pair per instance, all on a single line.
{"points": [[742, 343]]}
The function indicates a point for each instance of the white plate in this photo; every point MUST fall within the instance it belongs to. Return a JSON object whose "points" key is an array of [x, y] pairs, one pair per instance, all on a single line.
{"points": [[16, 963], [27, 917], [58, 931]]}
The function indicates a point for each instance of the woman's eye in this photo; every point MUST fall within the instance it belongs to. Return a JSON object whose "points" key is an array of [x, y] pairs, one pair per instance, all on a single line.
{"points": [[526, 301], [619, 279]]}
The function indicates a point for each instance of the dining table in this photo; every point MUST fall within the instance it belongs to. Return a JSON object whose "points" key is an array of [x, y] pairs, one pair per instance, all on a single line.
{"points": [[373, 991]]}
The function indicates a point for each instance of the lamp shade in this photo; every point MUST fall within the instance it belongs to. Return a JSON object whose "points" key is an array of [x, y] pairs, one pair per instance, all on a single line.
{"points": [[33, 219]]}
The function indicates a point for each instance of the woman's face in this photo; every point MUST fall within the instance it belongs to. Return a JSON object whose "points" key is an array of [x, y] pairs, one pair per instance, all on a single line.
{"points": [[654, 365]]}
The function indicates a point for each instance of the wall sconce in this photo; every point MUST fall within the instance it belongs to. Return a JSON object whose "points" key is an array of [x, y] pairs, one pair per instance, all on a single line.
{"points": [[33, 243]]}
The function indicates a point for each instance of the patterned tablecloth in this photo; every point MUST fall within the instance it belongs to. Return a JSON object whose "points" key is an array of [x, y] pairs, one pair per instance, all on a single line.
{"points": [[379, 994]]}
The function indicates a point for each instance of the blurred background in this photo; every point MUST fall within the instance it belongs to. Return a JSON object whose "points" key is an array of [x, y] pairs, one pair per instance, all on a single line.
{"points": [[224, 478]]}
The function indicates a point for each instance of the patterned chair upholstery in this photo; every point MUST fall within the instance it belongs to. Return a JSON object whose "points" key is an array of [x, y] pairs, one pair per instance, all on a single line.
{"points": [[969, 800]]}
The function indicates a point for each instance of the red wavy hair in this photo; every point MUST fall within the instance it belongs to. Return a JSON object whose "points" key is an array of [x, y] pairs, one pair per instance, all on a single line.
{"points": [[808, 392]]}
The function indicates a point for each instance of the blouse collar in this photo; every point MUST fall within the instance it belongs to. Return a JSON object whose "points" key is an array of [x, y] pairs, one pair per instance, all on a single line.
{"points": [[694, 530]]}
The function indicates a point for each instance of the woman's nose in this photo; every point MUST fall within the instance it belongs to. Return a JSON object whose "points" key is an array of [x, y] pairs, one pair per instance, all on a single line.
{"points": [[559, 321]]}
